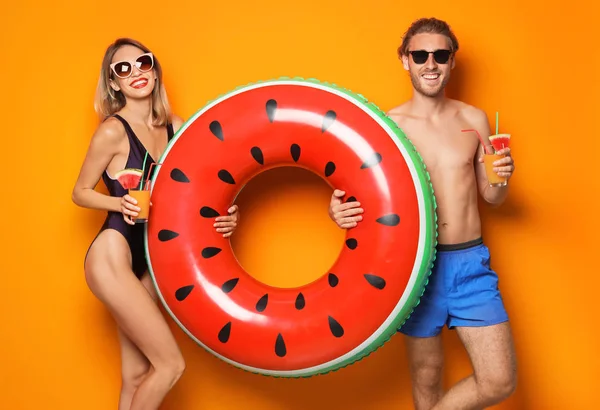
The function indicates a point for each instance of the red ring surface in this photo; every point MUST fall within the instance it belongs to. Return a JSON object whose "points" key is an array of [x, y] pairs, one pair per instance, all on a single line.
{"points": [[177, 264]]}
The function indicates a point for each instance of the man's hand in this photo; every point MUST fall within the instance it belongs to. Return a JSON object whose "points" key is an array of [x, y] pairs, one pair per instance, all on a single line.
{"points": [[503, 167], [345, 215]]}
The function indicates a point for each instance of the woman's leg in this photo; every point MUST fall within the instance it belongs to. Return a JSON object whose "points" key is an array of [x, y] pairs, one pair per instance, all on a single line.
{"points": [[134, 369], [109, 276], [134, 365]]}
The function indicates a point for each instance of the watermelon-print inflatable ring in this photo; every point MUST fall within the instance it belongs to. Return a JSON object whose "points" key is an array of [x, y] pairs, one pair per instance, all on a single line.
{"points": [[378, 277]]}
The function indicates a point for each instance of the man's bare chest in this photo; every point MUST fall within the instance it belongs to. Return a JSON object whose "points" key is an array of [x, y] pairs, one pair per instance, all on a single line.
{"points": [[448, 148]]}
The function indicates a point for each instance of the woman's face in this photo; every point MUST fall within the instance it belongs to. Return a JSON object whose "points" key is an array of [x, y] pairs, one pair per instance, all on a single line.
{"points": [[133, 72]]}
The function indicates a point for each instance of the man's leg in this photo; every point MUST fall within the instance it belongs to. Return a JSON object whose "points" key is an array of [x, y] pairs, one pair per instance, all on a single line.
{"points": [[492, 355], [423, 339], [477, 312], [426, 362]]}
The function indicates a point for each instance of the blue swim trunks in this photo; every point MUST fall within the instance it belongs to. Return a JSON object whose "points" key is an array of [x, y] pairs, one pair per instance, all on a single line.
{"points": [[462, 291]]}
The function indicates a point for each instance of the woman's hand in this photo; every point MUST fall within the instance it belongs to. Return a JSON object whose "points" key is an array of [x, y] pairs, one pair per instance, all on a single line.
{"points": [[227, 224], [129, 209]]}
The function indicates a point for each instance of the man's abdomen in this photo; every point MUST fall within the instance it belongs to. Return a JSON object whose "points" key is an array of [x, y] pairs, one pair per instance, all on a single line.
{"points": [[458, 214]]}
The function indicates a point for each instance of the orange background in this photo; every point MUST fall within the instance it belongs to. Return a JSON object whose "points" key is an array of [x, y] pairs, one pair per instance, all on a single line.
{"points": [[58, 346]]}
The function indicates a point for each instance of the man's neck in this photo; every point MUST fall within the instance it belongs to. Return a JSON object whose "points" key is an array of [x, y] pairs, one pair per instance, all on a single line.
{"points": [[424, 106], [140, 111]]}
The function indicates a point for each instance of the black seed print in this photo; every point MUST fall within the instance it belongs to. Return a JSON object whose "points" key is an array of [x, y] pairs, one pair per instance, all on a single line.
{"points": [[215, 128], [224, 333], [300, 302], [351, 243], [372, 161], [329, 169], [333, 280], [183, 292], [257, 155], [280, 349], [375, 281], [295, 151], [336, 329], [208, 212], [225, 176], [209, 252], [271, 107], [178, 175], [262, 303], [389, 220], [229, 285], [166, 235], [328, 119]]}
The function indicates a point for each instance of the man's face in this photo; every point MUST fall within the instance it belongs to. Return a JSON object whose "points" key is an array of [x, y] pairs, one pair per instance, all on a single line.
{"points": [[429, 77]]}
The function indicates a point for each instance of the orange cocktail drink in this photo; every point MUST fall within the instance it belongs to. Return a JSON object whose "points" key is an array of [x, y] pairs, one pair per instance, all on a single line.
{"points": [[490, 155], [142, 196]]}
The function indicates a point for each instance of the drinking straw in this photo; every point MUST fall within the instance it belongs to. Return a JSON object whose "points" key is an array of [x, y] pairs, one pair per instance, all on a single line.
{"points": [[143, 169], [147, 184], [496, 122], [480, 139]]}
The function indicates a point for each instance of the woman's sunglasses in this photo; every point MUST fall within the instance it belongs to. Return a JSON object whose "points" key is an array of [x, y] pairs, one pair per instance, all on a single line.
{"points": [[421, 56], [123, 69]]}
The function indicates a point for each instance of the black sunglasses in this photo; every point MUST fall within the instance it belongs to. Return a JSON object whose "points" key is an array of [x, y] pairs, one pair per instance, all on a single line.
{"points": [[421, 56]]}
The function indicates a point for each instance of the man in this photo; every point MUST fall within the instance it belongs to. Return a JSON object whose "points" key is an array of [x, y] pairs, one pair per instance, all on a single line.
{"points": [[462, 292]]}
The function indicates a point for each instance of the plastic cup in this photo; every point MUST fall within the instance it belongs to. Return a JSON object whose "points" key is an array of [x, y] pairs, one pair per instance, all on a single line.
{"points": [[494, 180], [142, 196]]}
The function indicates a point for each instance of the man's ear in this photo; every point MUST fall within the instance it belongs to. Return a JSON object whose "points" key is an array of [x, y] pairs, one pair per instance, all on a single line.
{"points": [[405, 62]]}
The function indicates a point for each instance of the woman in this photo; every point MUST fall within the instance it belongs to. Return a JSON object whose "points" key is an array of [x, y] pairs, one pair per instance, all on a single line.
{"points": [[132, 100]]}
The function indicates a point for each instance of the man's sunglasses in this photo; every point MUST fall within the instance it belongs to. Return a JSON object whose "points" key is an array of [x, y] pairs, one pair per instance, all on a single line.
{"points": [[421, 56], [124, 69]]}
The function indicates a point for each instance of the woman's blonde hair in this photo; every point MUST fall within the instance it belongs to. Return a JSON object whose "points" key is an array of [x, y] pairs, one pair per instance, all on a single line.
{"points": [[108, 101]]}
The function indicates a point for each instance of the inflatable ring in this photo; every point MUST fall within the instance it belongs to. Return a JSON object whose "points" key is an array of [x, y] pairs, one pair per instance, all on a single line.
{"points": [[379, 275]]}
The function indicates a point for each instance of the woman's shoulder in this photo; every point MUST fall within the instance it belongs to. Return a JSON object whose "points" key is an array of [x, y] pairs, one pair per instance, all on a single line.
{"points": [[177, 122], [109, 131]]}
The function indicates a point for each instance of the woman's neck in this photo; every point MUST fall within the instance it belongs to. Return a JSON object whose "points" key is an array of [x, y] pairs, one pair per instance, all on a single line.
{"points": [[140, 111]]}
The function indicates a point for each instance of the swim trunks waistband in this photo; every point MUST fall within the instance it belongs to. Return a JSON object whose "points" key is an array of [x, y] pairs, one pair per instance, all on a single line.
{"points": [[460, 246]]}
